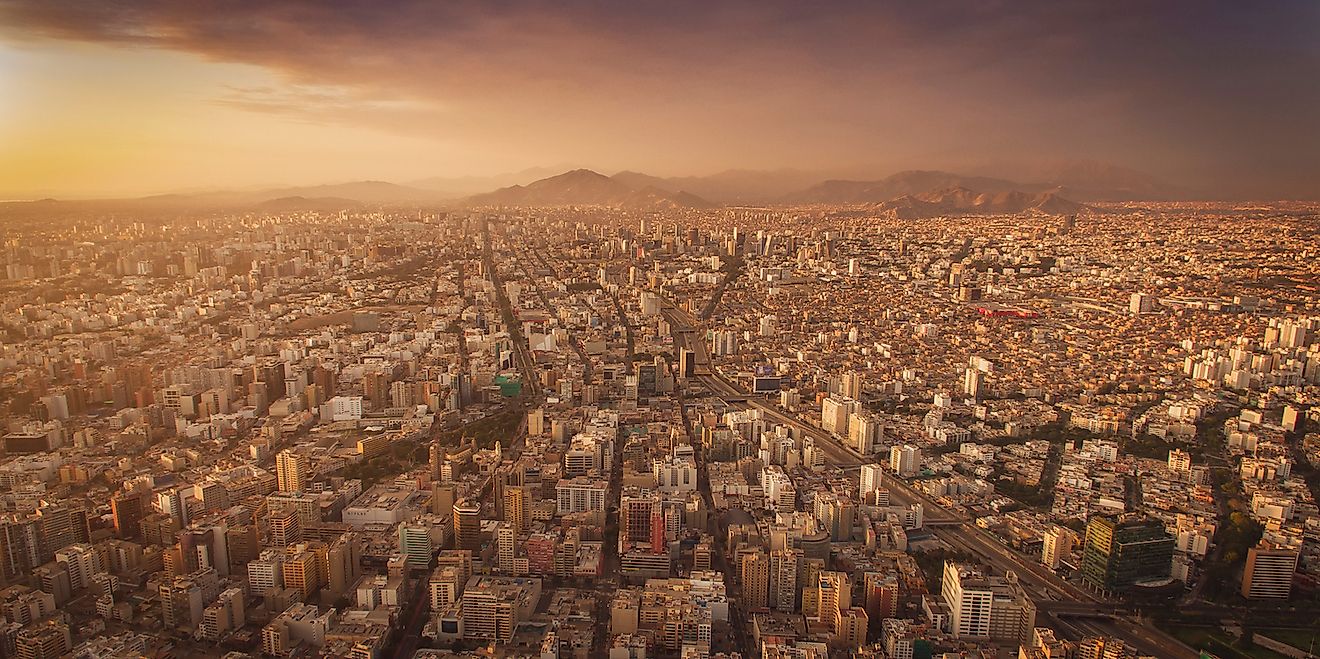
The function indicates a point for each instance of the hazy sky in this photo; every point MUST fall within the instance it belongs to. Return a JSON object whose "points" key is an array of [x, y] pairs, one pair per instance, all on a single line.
{"points": [[123, 97]]}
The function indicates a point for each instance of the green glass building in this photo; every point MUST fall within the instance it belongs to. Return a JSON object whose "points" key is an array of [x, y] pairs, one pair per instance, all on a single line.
{"points": [[1125, 550]]}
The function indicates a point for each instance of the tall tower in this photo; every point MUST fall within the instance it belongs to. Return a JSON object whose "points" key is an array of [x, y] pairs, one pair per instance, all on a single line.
{"points": [[835, 595], [128, 509], [969, 602], [292, 471], [784, 579], [505, 543], [467, 525], [754, 575], [657, 530], [437, 462], [515, 508]]}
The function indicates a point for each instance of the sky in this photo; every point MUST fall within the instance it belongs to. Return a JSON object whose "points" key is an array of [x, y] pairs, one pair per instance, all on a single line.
{"points": [[121, 98]]}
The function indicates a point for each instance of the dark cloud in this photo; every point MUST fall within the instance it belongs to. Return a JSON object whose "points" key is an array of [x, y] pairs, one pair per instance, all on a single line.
{"points": [[1209, 93]]}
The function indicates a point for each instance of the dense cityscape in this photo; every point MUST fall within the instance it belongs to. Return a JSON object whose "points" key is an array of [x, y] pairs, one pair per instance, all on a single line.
{"points": [[748, 329], [591, 431]]}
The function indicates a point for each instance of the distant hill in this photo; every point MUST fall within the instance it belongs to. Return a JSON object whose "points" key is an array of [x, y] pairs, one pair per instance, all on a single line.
{"points": [[367, 193], [653, 197], [296, 203], [909, 182], [962, 201], [584, 187], [457, 187], [1084, 181], [730, 187], [1080, 181]]}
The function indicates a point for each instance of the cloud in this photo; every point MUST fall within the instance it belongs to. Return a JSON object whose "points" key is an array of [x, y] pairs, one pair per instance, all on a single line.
{"points": [[1208, 90]]}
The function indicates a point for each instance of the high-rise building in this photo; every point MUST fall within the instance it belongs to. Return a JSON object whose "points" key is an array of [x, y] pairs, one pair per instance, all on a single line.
{"points": [[467, 525], [174, 503], [506, 539], [82, 562], [243, 545], [864, 430], [687, 363], [881, 592], [583, 494], [836, 514], [1291, 418], [850, 627], [1122, 551], [416, 541], [375, 389], [292, 471], [49, 639], [436, 461], [904, 460], [834, 414], [536, 422], [128, 507], [266, 571], [515, 508], [969, 606], [302, 570], [285, 528], [343, 562], [754, 575], [493, 606], [833, 595], [442, 498], [851, 385], [1269, 572], [1057, 547], [635, 514], [183, 598], [213, 494], [871, 481], [981, 606], [60, 525], [972, 382], [784, 579], [222, 615]]}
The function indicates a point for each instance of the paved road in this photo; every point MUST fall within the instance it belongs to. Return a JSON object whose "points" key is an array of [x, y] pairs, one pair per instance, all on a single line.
{"points": [[522, 354], [411, 635]]}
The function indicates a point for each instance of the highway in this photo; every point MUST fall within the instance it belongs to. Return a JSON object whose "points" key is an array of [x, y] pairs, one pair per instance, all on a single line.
{"points": [[1042, 584], [522, 353]]}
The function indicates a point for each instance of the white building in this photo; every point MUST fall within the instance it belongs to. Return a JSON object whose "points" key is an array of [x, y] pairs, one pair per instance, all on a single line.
{"points": [[871, 480], [1057, 547], [342, 408], [580, 494], [904, 460]]}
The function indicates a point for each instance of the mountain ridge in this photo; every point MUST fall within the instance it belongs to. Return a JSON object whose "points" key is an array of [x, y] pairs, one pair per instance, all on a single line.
{"points": [[585, 187], [1078, 181], [955, 201]]}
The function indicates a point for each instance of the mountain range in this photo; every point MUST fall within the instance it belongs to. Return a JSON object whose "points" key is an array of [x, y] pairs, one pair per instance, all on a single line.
{"points": [[908, 193], [583, 187], [961, 201]]}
